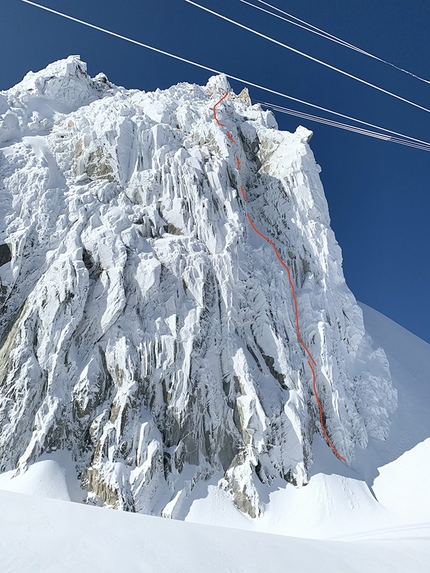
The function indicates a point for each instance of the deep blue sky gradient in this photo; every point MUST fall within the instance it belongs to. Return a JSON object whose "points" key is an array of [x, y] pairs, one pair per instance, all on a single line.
{"points": [[378, 192]]}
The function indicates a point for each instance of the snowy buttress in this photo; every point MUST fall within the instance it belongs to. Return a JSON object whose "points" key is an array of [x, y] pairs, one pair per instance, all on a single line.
{"points": [[144, 325]]}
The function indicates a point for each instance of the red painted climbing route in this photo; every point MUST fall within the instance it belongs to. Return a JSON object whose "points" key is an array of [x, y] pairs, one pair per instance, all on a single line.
{"points": [[311, 361], [242, 190], [215, 106]]}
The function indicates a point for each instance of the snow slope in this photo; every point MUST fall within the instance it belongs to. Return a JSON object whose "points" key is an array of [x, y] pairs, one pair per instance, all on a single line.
{"points": [[49, 536], [403, 462], [53, 475]]}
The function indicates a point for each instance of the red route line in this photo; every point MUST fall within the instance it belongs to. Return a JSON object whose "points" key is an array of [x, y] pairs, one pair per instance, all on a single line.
{"points": [[229, 135], [311, 361], [217, 103], [293, 290], [330, 443]]}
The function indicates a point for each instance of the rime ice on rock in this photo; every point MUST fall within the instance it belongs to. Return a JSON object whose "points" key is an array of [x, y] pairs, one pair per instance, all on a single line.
{"points": [[144, 326]]}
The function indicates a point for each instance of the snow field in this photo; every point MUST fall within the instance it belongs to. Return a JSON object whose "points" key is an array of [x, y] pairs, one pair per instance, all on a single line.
{"points": [[49, 536]]}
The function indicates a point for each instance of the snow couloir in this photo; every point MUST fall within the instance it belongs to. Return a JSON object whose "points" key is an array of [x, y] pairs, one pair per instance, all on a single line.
{"points": [[145, 327]]}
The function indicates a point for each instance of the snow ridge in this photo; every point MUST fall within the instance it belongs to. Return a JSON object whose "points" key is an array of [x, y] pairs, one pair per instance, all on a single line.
{"points": [[144, 326]]}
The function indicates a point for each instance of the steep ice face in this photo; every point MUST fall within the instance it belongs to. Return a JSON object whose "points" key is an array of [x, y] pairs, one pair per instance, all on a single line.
{"points": [[144, 325]]}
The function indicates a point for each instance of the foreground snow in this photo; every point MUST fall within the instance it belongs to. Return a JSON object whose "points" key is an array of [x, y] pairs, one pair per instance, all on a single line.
{"points": [[50, 536], [362, 534]]}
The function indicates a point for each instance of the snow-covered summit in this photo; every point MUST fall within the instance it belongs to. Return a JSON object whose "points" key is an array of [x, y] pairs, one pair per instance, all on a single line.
{"points": [[34, 104], [145, 326]]}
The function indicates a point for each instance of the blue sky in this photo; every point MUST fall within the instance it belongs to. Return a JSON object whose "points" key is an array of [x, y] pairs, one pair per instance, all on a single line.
{"points": [[378, 192]]}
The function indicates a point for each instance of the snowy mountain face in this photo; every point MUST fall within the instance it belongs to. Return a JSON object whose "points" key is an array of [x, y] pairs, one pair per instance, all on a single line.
{"points": [[145, 325]]}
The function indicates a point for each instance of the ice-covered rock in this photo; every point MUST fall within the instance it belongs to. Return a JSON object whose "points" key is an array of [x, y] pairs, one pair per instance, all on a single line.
{"points": [[145, 327]]}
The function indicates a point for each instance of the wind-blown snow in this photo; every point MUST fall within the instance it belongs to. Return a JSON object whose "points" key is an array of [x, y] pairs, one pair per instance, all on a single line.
{"points": [[145, 328]]}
